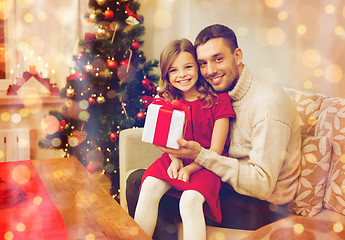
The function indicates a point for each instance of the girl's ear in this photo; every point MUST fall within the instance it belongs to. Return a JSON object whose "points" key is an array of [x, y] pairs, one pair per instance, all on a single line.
{"points": [[238, 54]]}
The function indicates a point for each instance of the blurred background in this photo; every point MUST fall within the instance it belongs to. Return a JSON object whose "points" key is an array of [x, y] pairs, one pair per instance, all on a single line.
{"points": [[294, 43]]}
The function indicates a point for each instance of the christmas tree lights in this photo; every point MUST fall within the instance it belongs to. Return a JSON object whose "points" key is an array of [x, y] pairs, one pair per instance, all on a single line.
{"points": [[107, 91]]}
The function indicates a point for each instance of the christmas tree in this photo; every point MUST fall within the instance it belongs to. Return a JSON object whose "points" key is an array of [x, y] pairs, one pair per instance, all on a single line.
{"points": [[108, 90]]}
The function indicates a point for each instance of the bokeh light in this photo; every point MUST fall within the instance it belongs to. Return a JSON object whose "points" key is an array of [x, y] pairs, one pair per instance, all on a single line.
{"points": [[311, 158], [338, 227], [333, 73], [329, 9], [342, 158], [301, 29], [73, 141], [5, 116], [28, 18], [134, 231], [42, 16], [90, 236], [275, 36], [273, 3], [298, 229], [311, 58], [24, 112], [339, 31], [16, 118], [307, 84], [282, 15], [50, 125], [84, 115], [37, 200], [242, 31], [8, 236], [318, 72], [162, 19], [83, 104], [56, 142], [21, 174]]}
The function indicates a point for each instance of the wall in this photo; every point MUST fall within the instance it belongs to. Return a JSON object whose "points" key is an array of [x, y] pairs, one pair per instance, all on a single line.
{"points": [[293, 43]]}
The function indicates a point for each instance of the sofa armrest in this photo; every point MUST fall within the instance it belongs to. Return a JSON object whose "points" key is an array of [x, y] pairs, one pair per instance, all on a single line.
{"points": [[133, 154]]}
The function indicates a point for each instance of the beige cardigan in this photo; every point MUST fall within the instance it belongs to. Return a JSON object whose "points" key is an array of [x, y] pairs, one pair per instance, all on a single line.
{"points": [[265, 148]]}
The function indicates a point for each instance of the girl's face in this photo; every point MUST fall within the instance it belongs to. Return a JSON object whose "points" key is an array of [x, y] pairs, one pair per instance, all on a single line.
{"points": [[183, 74]]}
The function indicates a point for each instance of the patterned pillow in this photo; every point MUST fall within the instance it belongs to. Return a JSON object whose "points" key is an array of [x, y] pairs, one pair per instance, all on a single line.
{"points": [[332, 123], [315, 163], [308, 106]]}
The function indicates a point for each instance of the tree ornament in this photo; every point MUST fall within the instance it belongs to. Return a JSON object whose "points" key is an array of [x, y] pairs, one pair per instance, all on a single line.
{"points": [[108, 14], [131, 13], [62, 125], [100, 99], [92, 17], [135, 45], [132, 21], [70, 92], [103, 30], [101, 2], [89, 37], [146, 83], [91, 100], [112, 64], [140, 116], [79, 56], [113, 137]]}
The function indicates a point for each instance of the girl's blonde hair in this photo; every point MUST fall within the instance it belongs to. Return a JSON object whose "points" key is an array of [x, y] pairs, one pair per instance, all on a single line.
{"points": [[168, 55]]}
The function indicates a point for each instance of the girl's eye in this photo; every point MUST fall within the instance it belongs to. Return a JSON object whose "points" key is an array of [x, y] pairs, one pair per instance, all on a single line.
{"points": [[189, 67], [172, 70]]}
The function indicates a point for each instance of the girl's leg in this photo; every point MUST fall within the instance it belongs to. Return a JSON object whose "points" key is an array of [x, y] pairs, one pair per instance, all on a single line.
{"points": [[193, 221], [146, 212]]}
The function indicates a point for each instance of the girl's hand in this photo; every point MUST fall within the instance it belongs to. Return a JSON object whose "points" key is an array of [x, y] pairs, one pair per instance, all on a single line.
{"points": [[184, 174], [175, 166]]}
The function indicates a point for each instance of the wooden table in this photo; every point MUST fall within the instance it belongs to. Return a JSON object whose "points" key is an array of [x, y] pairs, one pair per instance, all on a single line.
{"points": [[89, 212]]}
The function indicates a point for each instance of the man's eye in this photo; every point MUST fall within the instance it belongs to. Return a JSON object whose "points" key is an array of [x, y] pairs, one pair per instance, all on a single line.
{"points": [[202, 64], [219, 59]]}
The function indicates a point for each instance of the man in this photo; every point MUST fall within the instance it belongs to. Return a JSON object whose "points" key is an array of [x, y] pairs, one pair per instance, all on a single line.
{"points": [[261, 172]]}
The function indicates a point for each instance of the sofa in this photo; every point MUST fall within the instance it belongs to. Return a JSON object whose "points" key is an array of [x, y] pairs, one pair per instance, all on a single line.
{"points": [[318, 208]]}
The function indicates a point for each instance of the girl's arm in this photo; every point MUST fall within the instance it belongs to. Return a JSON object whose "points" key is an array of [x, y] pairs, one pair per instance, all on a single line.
{"points": [[219, 136]]}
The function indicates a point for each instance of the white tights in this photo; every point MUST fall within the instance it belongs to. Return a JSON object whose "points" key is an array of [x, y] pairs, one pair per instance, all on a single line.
{"points": [[191, 209]]}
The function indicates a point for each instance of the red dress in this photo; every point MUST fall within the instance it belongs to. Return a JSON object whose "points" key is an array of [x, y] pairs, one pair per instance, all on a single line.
{"points": [[199, 129]]}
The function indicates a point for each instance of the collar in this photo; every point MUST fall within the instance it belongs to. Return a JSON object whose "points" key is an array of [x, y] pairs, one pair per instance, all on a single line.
{"points": [[242, 86]]}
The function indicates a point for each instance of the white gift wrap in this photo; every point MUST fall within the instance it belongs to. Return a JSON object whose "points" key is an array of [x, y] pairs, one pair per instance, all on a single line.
{"points": [[175, 130]]}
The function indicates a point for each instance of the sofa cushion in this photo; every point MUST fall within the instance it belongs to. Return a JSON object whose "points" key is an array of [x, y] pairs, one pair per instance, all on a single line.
{"points": [[332, 124], [308, 106], [315, 164]]}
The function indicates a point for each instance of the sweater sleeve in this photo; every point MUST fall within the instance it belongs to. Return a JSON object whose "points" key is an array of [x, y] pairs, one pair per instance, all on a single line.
{"points": [[256, 176]]}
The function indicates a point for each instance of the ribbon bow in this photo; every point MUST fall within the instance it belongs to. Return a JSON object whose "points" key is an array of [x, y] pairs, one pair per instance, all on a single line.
{"points": [[173, 105], [131, 13]]}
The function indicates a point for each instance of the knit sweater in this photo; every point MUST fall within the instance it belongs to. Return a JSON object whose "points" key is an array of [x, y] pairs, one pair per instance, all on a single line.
{"points": [[265, 149]]}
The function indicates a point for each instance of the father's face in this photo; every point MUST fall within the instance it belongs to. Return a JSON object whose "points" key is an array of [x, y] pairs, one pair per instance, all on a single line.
{"points": [[218, 64]]}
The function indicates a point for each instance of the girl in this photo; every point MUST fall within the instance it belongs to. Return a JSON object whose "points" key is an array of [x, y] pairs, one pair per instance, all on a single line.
{"points": [[182, 178]]}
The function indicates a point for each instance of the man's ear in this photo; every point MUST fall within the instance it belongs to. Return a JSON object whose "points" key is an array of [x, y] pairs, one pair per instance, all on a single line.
{"points": [[238, 55]]}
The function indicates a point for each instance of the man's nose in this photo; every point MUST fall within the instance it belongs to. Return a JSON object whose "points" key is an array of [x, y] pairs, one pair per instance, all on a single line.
{"points": [[211, 69]]}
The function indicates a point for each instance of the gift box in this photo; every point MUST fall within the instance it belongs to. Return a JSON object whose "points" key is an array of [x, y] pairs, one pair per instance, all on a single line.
{"points": [[165, 122]]}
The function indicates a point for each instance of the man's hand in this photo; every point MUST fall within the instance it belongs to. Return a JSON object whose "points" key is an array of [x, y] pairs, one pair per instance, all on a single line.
{"points": [[187, 150]]}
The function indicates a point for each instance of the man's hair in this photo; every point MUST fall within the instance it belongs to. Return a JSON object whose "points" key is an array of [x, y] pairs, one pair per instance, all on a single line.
{"points": [[217, 31]]}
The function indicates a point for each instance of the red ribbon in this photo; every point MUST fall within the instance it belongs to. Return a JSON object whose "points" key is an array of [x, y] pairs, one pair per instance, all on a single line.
{"points": [[173, 105], [131, 13], [164, 118]]}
